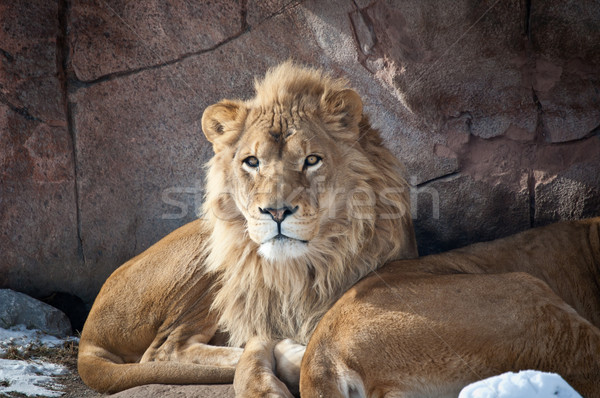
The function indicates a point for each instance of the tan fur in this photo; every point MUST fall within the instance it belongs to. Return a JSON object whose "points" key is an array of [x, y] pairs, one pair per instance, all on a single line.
{"points": [[428, 327], [155, 316]]}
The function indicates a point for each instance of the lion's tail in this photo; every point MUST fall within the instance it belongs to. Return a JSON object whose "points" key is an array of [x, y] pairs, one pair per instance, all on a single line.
{"points": [[104, 375]]}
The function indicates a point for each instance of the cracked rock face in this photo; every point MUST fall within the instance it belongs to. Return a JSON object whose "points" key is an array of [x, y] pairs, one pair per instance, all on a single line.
{"points": [[38, 209], [494, 107]]}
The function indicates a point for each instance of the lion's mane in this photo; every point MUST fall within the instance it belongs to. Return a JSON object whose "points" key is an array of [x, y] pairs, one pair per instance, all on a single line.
{"points": [[278, 300]]}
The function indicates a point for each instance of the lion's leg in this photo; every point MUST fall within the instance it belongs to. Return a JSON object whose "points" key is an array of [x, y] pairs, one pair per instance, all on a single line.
{"points": [[187, 346], [254, 376], [106, 372], [288, 357]]}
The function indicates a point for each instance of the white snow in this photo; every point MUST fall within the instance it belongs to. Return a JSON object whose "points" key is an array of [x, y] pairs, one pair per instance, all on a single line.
{"points": [[525, 384], [22, 338], [29, 377]]}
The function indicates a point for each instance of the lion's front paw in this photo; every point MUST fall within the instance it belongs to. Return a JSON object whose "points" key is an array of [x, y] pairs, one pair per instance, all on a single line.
{"points": [[254, 375], [263, 385], [288, 357]]}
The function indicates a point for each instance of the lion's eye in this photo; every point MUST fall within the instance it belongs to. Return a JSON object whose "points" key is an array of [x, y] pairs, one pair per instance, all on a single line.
{"points": [[251, 161], [312, 160]]}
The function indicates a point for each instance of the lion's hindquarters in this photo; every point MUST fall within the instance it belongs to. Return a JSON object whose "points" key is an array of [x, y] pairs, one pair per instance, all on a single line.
{"points": [[329, 368], [432, 335]]}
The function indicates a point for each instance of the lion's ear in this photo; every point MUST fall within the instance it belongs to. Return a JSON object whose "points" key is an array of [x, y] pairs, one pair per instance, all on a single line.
{"points": [[345, 105], [222, 122]]}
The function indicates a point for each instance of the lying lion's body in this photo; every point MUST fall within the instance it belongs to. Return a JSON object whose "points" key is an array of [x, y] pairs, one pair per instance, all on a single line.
{"points": [[428, 327], [302, 201]]}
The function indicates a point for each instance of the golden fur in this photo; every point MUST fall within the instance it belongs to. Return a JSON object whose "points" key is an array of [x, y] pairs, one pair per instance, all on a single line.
{"points": [[302, 201], [429, 326]]}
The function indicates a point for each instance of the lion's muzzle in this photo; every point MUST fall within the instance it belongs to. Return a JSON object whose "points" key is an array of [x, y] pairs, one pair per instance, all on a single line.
{"points": [[278, 215], [282, 233]]}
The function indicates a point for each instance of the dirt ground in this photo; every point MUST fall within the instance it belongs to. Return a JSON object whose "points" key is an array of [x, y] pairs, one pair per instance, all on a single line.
{"points": [[75, 388]]}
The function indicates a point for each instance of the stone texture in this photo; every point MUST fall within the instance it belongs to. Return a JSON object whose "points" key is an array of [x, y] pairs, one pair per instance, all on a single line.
{"points": [[28, 60], [19, 309], [567, 183], [142, 177], [112, 36], [493, 107], [166, 391], [38, 214], [259, 11], [437, 56], [457, 210], [498, 83], [564, 36]]}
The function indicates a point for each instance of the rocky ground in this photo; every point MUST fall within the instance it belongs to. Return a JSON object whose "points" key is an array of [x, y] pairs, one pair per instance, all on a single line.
{"points": [[74, 386], [33, 337]]}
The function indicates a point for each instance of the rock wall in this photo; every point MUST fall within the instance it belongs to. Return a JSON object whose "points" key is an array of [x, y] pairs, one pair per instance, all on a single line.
{"points": [[493, 106]]}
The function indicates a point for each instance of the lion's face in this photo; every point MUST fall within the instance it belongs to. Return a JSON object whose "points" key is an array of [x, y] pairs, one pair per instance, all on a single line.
{"points": [[282, 170], [280, 166]]}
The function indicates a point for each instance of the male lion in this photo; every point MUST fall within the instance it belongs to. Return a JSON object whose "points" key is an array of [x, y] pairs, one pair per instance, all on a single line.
{"points": [[429, 326], [302, 201]]}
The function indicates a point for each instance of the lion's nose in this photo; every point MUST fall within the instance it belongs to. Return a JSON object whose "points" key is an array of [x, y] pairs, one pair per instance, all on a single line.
{"points": [[278, 215]]}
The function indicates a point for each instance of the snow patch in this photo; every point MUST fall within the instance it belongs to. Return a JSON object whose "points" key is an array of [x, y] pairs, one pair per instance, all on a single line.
{"points": [[29, 377], [525, 384], [21, 338]]}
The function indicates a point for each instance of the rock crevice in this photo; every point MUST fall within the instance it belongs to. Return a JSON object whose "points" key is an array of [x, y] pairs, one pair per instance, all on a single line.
{"points": [[22, 111], [62, 64]]}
